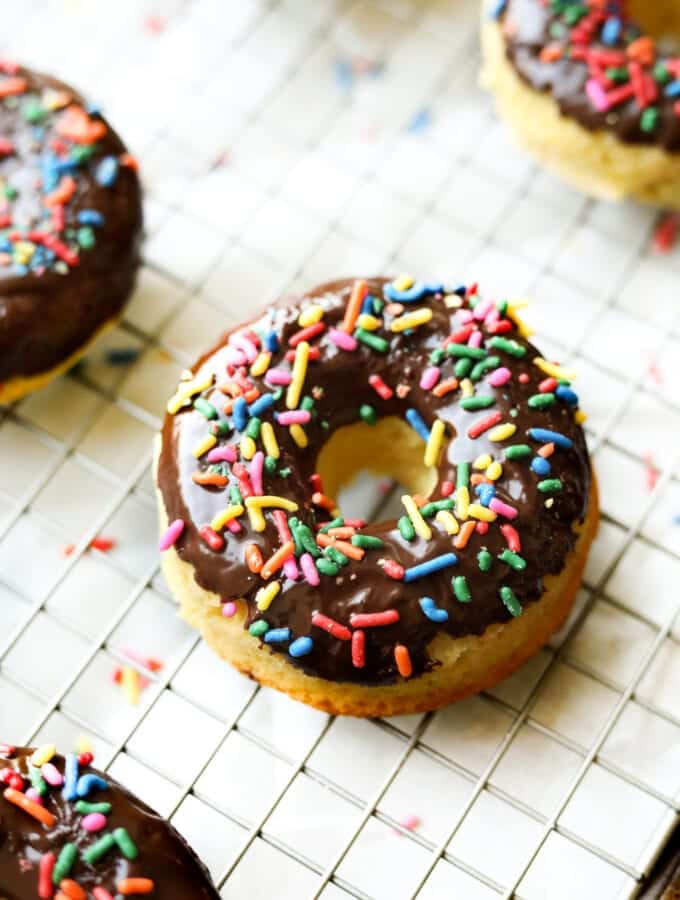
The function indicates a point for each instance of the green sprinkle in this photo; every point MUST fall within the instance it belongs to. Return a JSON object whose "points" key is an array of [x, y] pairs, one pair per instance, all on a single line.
{"points": [[367, 541], [518, 451], [220, 429], [206, 409], [257, 629], [372, 340], [37, 781], [510, 601], [463, 474], [508, 346], [502, 307], [618, 74], [406, 529], [474, 403], [542, 401], [303, 537], [334, 523], [649, 119], [285, 471], [85, 808], [661, 73], [368, 414], [81, 153], [235, 496], [278, 393], [466, 352], [11, 193], [514, 560], [65, 862], [269, 465], [462, 368], [377, 306], [100, 848], [126, 844], [461, 589], [549, 485], [336, 556], [86, 237], [307, 403], [484, 366], [485, 560], [437, 356], [253, 429], [429, 509], [326, 567], [33, 111]]}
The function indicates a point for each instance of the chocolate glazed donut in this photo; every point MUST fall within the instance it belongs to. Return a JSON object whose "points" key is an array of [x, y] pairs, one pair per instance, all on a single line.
{"points": [[89, 830], [70, 223], [509, 475]]}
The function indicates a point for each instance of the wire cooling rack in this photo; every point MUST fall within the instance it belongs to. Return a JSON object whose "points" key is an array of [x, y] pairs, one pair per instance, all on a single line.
{"points": [[283, 143]]}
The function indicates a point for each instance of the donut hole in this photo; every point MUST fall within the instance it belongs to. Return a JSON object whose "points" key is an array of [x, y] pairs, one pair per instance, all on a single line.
{"points": [[357, 457], [660, 20]]}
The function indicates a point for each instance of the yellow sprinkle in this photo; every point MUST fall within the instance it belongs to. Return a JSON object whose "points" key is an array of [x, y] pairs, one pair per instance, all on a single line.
{"points": [[247, 447], [221, 519], [422, 529], [265, 595], [452, 301], [448, 520], [434, 443], [310, 316], [43, 755], [402, 283], [482, 462], [129, 680], [257, 520], [267, 500], [462, 502], [83, 744], [271, 445], [298, 375], [187, 389], [261, 364], [176, 402], [368, 322], [553, 369], [206, 444], [580, 416], [299, 435], [477, 511], [412, 319], [467, 388], [502, 432], [494, 471]]}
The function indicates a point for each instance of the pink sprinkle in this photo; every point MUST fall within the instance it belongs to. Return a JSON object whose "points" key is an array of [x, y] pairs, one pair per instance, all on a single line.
{"points": [[503, 509], [33, 795], [171, 535], [52, 775], [430, 377], [294, 417], [465, 316], [475, 339], [93, 822], [290, 569], [524, 378], [234, 356], [240, 341], [481, 310], [342, 340], [309, 570], [100, 893], [278, 377], [229, 609], [492, 317], [597, 95], [223, 454], [234, 526], [410, 822], [499, 377], [256, 467]]}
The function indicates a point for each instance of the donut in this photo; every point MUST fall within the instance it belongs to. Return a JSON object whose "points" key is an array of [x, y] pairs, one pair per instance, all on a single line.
{"points": [[69, 832], [70, 223], [438, 389], [588, 92]]}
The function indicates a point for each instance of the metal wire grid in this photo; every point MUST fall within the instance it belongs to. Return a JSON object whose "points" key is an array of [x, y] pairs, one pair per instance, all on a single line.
{"points": [[162, 682]]}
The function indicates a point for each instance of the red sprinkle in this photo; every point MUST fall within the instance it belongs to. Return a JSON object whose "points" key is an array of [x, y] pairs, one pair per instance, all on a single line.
{"points": [[316, 483], [548, 385], [359, 649], [383, 390], [512, 538], [45, 869], [103, 544], [306, 334], [314, 354], [331, 626], [214, 540], [7, 750], [393, 570], [374, 620], [461, 336], [483, 425], [524, 378], [482, 527], [403, 660], [86, 759], [666, 232], [447, 488]]}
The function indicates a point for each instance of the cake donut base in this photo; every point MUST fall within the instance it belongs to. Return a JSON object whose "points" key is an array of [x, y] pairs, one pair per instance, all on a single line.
{"points": [[594, 162], [467, 666], [19, 386]]}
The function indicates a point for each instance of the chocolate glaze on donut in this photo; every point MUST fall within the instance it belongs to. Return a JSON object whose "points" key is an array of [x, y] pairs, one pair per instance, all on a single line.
{"points": [[562, 57], [339, 384], [163, 856], [50, 307]]}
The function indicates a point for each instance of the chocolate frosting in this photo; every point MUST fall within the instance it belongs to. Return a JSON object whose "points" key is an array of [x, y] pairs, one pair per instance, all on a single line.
{"points": [[340, 383], [163, 855], [50, 310], [529, 26]]}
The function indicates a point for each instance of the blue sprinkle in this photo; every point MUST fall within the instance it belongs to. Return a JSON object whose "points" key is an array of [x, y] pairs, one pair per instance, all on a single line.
{"points": [[257, 407], [416, 422], [432, 611], [121, 356], [676, 519], [485, 493], [90, 217], [301, 647], [461, 290], [277, 635], [70, 791], [551, 437], [566, 395], [498, 9], [90, 782], [416, 292], [367, 305], [673, 89], [419, 122], [430, 566], [107, 171], [611, 31], [93, 109], [271, 341], [540, 466], [49, 171], [240, 413], [344, 77], [5, 245]]}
